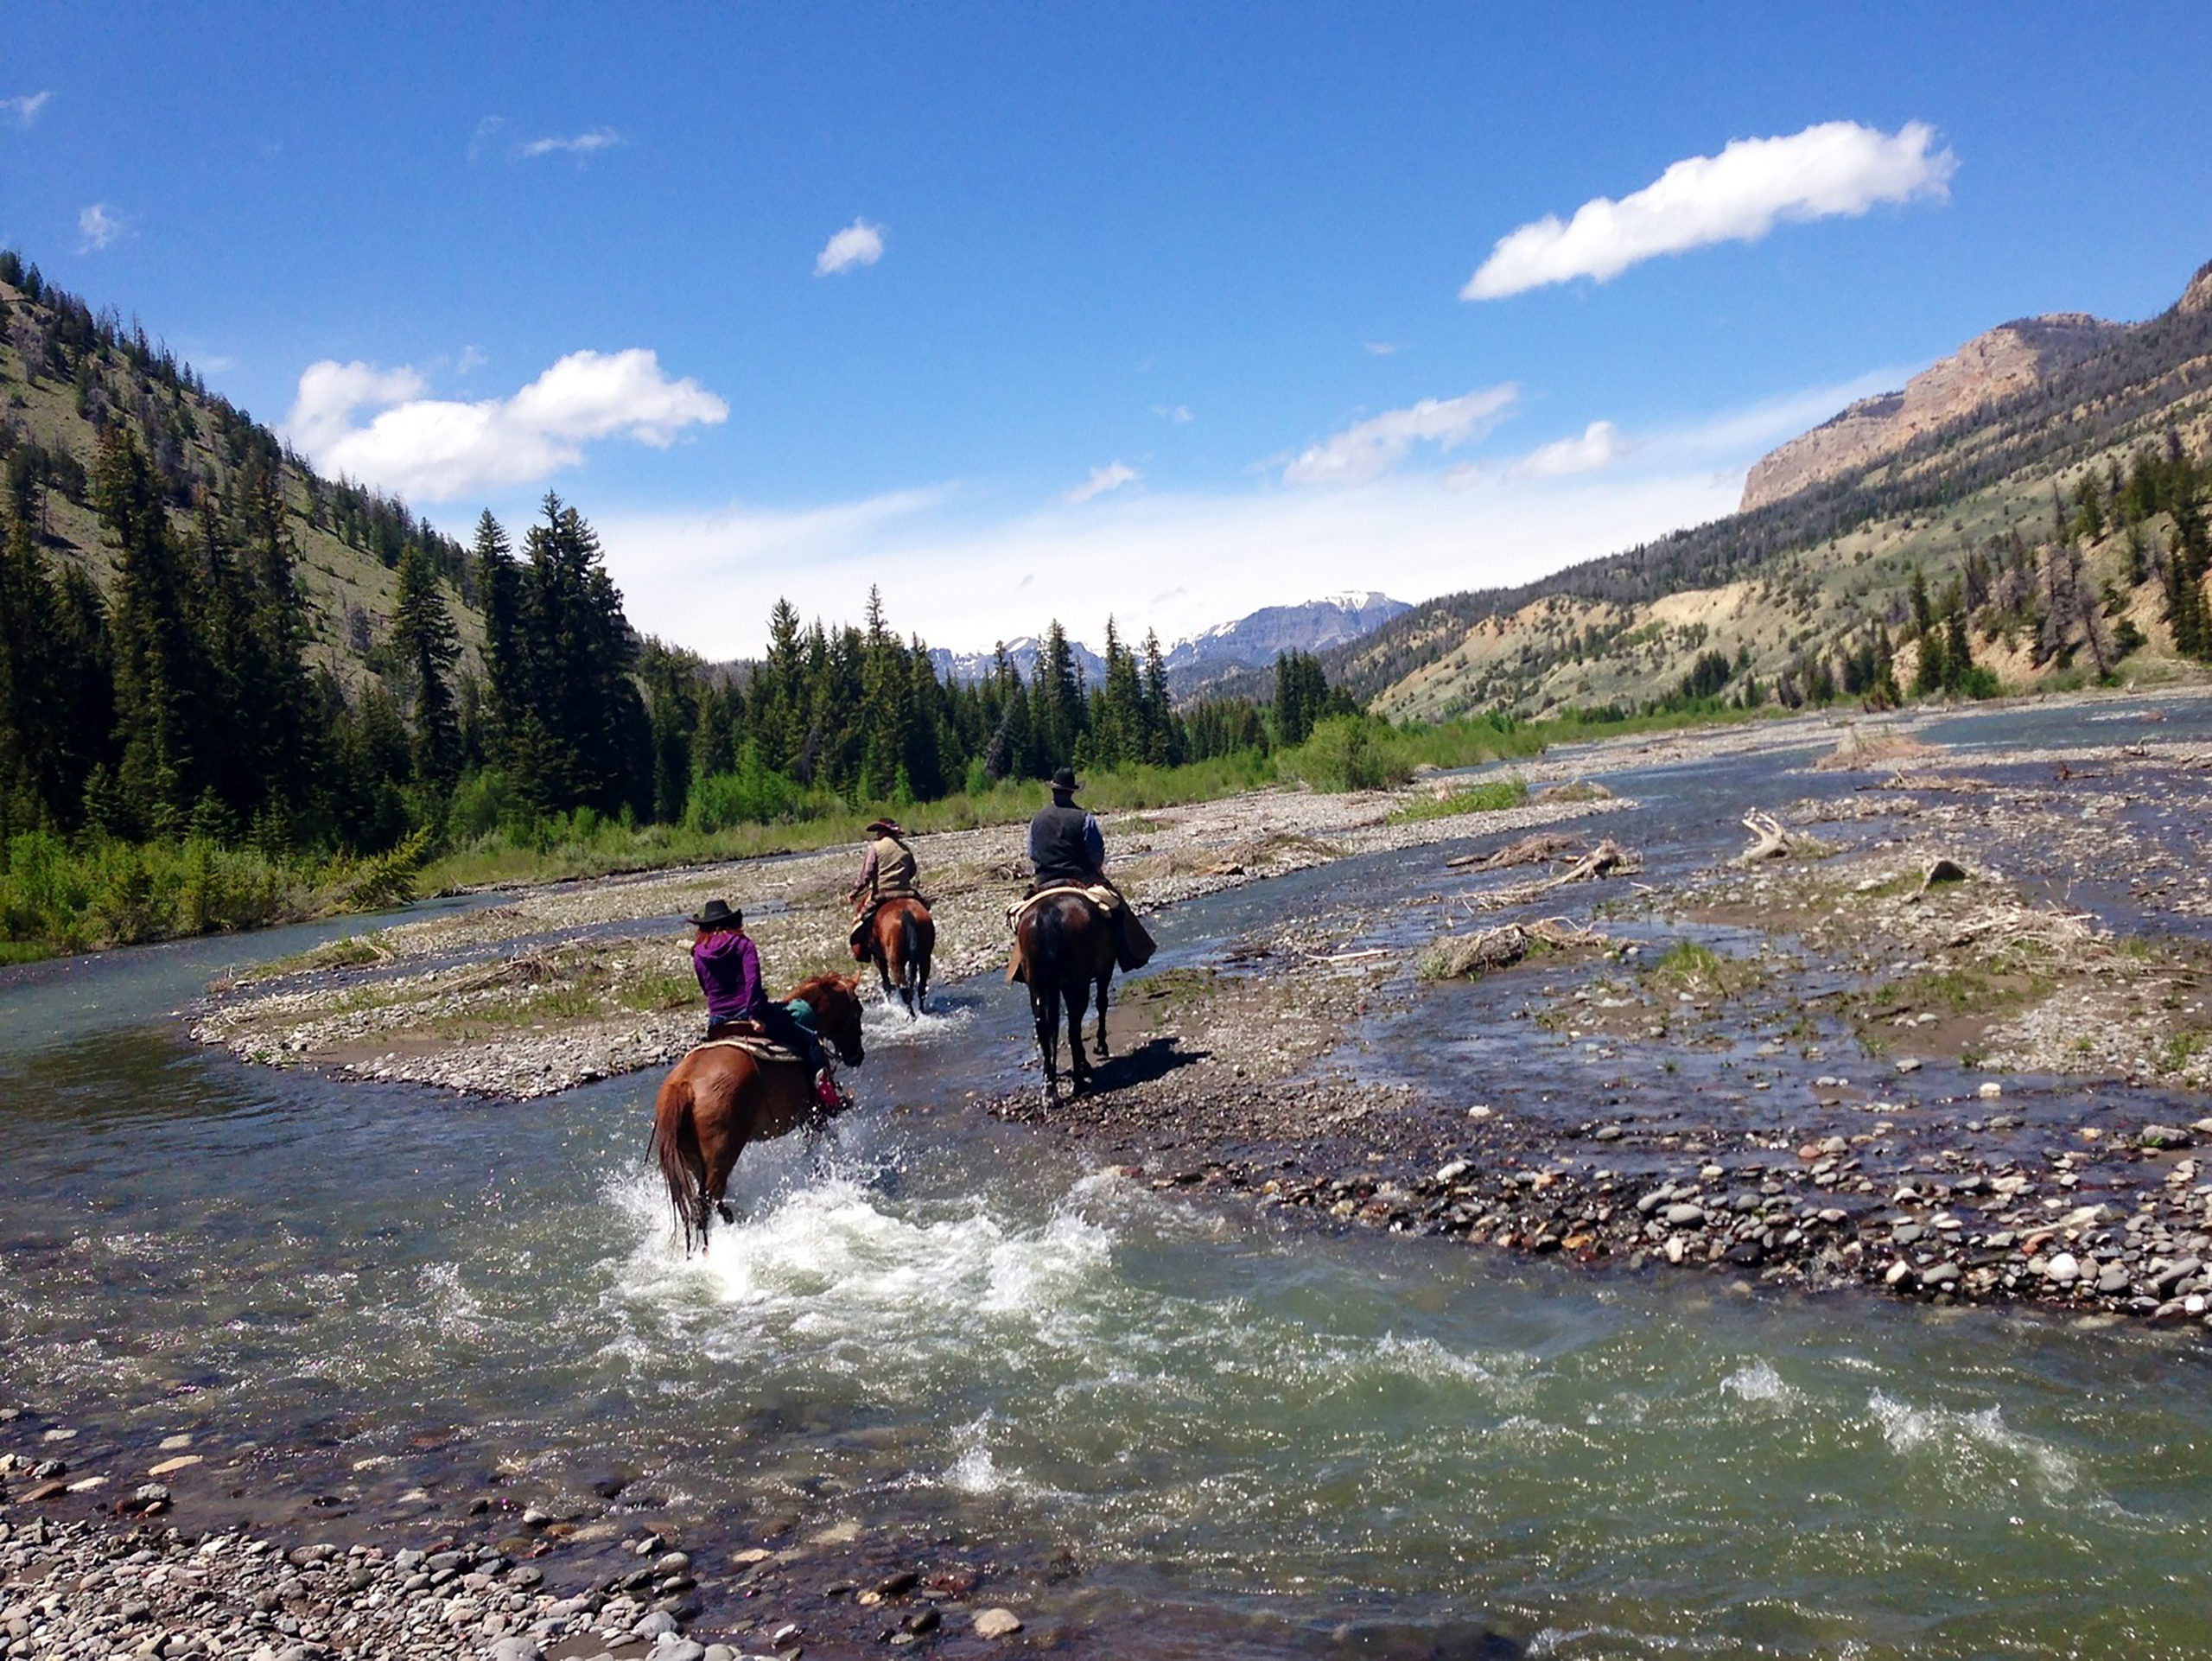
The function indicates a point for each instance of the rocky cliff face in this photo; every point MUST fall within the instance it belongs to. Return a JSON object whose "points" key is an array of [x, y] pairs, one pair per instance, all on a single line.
{"points": [[2197, 297], [2009, 358]]}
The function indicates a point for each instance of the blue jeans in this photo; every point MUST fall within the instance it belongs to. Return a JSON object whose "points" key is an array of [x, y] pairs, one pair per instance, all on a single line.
{"points": [[778, 1023]]}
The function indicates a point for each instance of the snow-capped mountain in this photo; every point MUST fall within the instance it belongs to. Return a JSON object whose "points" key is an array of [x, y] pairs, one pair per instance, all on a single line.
{"points": [[969, 667], [1252, 642], [1255, 641]]}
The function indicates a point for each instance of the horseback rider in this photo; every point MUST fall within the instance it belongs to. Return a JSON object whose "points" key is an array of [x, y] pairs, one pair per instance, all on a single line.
{"points": [[727, 964], [1068, 851], [887, 872]]}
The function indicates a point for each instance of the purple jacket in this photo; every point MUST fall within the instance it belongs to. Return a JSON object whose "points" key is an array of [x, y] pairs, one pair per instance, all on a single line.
{"points": [[728, 967]]}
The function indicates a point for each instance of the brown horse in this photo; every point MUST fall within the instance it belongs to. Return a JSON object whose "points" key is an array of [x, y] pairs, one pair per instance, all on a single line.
{"points": [[900, 941], [717, 1099], [1064, 945]]}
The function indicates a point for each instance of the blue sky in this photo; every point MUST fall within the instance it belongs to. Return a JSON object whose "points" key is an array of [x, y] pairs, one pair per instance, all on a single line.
{"points": [[1153, 309]]}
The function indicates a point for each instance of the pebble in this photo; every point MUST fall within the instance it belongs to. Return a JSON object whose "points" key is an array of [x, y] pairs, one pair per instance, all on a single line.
{"points": [[997, 1623], [181, 1597]]}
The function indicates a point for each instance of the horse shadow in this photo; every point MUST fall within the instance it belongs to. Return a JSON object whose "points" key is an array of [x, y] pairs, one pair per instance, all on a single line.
{"points": [[1153, 1059]]}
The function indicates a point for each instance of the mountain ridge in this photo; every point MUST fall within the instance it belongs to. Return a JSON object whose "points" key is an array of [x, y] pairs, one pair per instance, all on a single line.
{"points": [[1830, 561]]}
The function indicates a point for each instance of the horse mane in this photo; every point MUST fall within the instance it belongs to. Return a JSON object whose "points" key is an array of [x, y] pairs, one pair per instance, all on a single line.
{"points": [[820, 984]]}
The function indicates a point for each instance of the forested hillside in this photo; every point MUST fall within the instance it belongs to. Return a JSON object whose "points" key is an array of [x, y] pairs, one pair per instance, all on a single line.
{"points": [[230, 690], [1797, 591]]}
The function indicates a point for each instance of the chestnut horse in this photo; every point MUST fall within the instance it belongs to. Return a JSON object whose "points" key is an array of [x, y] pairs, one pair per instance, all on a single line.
{"points": [[1065, 945], [717, 1099], [900, 939]]}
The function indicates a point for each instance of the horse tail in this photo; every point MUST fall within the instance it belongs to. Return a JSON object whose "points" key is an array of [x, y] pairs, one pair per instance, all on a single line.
{"points": [[683, 1165], [911, 949]]}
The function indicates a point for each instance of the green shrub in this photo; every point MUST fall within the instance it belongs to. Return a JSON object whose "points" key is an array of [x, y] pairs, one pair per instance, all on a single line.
{"points": [[1349, 753]]}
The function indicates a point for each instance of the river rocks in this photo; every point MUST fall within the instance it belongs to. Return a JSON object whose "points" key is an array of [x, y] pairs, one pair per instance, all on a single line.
{"points": [[147, 1591], [2062, 1270], [996, 1623]]}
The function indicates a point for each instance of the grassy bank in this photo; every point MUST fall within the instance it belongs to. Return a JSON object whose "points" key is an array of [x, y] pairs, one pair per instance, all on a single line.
{"points": [[60, 895]]}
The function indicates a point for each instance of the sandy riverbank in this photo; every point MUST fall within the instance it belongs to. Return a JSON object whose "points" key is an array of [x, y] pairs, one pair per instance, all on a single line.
{"points": [[581, 981]]}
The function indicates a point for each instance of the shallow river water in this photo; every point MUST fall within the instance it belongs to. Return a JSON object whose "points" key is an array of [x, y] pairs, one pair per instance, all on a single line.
{"points": [[1248, 1438]]}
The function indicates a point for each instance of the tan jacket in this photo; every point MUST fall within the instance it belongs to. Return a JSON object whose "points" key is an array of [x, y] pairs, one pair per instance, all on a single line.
{"points": [[889, 869]]}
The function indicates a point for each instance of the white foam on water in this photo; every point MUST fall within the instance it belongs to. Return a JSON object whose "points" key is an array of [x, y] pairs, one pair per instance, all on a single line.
{"points": [[836, 1264], [1759, 1382], [1964, 1438], [973, 1470], [457, 1313], [887, 1026]]}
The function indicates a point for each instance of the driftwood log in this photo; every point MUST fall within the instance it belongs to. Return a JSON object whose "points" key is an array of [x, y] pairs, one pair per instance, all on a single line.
{"points": [[1501, 947], [1541, 849], [1607, 859], [1770, 839]]}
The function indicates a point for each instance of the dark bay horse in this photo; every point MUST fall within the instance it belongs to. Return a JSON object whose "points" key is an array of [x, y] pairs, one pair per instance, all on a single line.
{"points": [[1065, 945], [900, 941], [716, 1099]]}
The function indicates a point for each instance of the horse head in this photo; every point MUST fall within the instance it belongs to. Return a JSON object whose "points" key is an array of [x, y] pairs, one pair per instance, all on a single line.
{"points": [[836, 1007]]}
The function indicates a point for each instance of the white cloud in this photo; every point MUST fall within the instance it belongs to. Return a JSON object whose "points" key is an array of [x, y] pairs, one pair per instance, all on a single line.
{"points": [[582, 144], [962, 574], [1370, 448], [1111, 477], [435, 450], [472, 359], [1598, 447], [1834, 167], [486, 130], [99, 227], [1382, 348], [1179, 413], [24, 110], [858, 244]]}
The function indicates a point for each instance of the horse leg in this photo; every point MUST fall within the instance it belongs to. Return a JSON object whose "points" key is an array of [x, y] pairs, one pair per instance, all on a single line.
{"points": [[1078, 1063], [1045, 1007], [883, 974], [922, 982], [904, 979], [1104, 981]]}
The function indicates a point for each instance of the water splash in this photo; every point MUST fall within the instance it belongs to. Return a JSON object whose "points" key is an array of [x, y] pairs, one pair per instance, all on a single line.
{"points": [[1966, 1441], [1760, 1383]]}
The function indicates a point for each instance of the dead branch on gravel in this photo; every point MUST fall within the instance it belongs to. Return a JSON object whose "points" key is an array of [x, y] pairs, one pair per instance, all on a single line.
{"points": [[1771, 839], [1858, 750], [1538, 849], [1501, 947], [1607, 859]]}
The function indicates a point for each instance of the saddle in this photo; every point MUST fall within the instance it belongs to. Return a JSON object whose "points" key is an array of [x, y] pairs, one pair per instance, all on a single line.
{"points": [[759, 1046], [1110, 904], [1105, 897], [857, 938]]}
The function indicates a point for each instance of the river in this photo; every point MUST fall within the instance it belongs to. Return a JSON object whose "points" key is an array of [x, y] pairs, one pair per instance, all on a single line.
{"points": [[1239, 1437]]}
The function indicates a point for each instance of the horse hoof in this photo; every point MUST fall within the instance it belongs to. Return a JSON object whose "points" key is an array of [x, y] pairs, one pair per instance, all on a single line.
{"points": [[728, 1211]]}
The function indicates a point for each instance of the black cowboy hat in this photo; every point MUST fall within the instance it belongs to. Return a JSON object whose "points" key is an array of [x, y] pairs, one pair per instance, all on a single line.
{"points": [[890, 827], [1063, 779], [717, 914]]}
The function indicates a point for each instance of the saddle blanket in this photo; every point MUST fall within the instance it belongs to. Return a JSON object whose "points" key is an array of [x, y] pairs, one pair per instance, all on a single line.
{"points": [[760, 1049], [1105, 899]]}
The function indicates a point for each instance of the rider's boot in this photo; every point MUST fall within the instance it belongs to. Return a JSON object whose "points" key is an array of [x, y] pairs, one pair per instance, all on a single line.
{"points": [[828, 1095]]}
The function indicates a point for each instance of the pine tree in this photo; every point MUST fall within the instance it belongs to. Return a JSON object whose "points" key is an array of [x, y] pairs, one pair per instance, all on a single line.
{"points": [[427, 643], [56, 702], [506, 664], [1161, 748], [161, 669], [1057, 703]]}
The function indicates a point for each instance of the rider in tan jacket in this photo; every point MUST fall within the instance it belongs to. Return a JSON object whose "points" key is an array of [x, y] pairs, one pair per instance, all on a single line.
{"points": [[887, 872]]}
